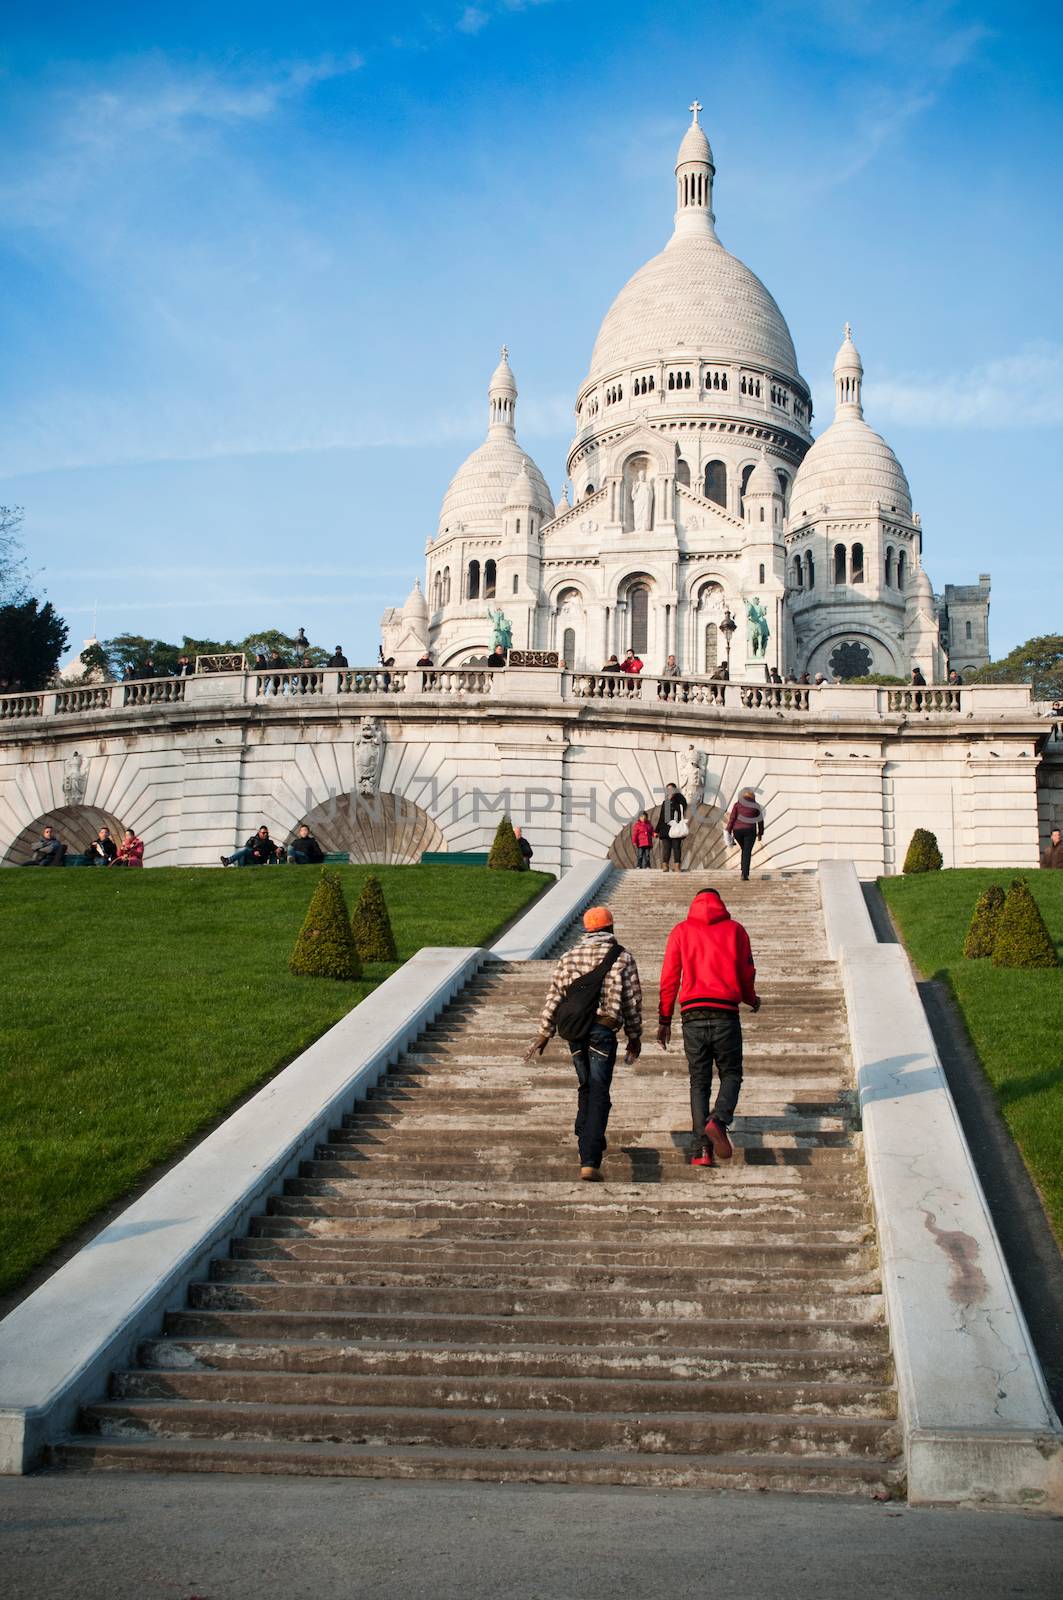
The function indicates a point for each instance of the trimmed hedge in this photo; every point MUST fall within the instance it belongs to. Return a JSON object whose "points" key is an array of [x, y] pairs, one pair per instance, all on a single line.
{"points": [[505, 852], [923, 853], [1022, 939], [371, 925], [325, 947], [982, 933]]}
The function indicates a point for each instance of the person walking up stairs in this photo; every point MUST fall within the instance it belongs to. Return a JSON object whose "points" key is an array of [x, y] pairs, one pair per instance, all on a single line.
{"points": [[595, 988]]}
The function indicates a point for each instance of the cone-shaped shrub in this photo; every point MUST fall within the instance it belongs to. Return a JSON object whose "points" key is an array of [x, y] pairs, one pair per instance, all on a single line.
{"points": [[983, 929], [325, 947], [1022, 939], [923, 853], [505, 852], [371, 924]]}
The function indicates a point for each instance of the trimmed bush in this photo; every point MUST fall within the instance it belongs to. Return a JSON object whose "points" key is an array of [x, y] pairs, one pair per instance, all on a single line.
{"points": [[371, 925], [325, 947], [923, 853], [982, 933], [1022, 939], [505, 852]]}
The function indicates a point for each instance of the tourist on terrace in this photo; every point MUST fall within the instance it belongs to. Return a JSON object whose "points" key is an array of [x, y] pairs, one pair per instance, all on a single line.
{"points": [[259, 851], [261, 664], [304, 849], [608, 690], [48, 851], [631, 663], [666, 691], [103, 850], [594, 991], [708, 964], [642, 839], [337, 658], [745, 826], [1052, 854], [955, 681], [149, 669], [184, 668], [497, 658], [918, 681], [130, 852], [774, 676], [525, 849], [672, 815]]}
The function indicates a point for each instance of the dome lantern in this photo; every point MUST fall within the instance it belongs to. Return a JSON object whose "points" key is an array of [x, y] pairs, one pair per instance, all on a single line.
{"points": [[694, 172], [502, 398], [848, 378]]}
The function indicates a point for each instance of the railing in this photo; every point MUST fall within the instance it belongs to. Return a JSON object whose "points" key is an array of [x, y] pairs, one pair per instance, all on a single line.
{"points": [[284, 686]]}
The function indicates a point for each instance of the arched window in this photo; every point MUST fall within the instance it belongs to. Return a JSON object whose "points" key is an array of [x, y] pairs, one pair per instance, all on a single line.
{"points": [[682, 472], [589, 489], [712, 646], [799, 573], [446, 586], [839, 563], [889, 566], [762, 572], [967, 627], [639, 605], [810, 567], [858, 563], [516, 583], [437, 591], [489, 580], [784, 486], [747, 473], [716, 483], [472, 587], [902, 568], [568, 648], [518, 525]]}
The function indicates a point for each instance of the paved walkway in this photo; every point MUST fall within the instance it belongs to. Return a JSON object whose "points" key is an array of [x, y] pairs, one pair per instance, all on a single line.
{"points": [[94, 1537]]}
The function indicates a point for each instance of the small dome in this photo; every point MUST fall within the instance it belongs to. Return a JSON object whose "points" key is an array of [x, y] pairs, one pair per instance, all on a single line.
{"points": [[479, 490], [564, 503], [522, 490], [416, 605], [502, 378], [762, 479], [847, 468], [920, 595], [694, 147]]}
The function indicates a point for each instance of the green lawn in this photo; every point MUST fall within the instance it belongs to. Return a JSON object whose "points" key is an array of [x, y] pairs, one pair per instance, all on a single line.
{"points": [[1014, 1017], [138, 1006]]}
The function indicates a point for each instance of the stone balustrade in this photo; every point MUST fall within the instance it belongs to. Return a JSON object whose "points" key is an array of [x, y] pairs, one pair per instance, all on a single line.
{"points": [[547, 686]]}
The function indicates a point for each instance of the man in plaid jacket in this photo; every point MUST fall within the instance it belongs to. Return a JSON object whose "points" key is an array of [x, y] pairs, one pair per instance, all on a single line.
{"points": [[619, 1005]]}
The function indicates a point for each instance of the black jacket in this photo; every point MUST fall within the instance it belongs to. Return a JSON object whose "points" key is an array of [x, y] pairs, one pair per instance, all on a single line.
{"points": [[671, 811], [262, 849], [103, 847], [308, 847]]}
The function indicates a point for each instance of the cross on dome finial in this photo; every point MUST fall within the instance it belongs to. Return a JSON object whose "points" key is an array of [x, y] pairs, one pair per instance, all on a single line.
{"points": [[694, 108], [848, 330], [505, 350]]}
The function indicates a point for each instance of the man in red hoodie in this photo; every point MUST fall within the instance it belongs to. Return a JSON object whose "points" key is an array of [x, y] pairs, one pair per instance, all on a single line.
{"points": [[708, 963]]}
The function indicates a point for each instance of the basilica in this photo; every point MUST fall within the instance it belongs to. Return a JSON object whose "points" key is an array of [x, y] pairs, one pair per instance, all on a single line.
{"points": [[704, 521]]}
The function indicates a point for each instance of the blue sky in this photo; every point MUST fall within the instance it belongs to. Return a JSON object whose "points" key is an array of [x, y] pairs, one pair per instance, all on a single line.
{"points": [[257, 260]]}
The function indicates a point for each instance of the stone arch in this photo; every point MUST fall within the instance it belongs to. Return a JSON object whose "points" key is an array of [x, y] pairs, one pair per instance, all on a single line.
{"points": [[456, 655], [76, 826], [704, 848], [884, 651], [383, 829]]}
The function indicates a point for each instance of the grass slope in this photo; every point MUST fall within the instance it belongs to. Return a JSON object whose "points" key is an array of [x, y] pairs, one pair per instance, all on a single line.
{"points": [[1014, 1017], [137, 1006]]}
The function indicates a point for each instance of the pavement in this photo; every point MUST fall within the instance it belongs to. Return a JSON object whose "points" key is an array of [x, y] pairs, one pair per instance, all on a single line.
{"points": [[140, 1537]]}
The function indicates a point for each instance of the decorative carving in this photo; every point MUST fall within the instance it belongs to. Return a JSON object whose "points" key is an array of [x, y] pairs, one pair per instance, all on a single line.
{"points": [[758, 631], [232, 661], [534, 658], [642, 504], [369, 755], [503, 629], [692, 775], [75, 779]]}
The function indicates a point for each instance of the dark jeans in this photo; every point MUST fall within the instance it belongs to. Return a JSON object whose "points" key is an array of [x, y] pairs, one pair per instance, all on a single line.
{"points": [[644, 854], [711, 1035], [594, 1060], [745, 840], [671, 850]]}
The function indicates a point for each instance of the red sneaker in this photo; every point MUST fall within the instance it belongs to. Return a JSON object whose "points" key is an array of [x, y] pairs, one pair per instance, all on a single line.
{"points": [[716, 1134], [704, 1159]]}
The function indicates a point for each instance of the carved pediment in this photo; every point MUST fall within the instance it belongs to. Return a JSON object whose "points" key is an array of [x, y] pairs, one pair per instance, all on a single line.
{"points": [[695, 514]]}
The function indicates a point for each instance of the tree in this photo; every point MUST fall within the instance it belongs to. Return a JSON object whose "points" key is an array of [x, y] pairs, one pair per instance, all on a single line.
{"points": [[32, 638], [1038, 662], [13, 577], [982, 933], [1022, 939], [128, 652], [505, 852], [923, 853], [325, 947], [371, 924], [268, 639]]}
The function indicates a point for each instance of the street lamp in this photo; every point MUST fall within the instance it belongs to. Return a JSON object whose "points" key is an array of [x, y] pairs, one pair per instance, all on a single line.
{"points": [[727, 628]]}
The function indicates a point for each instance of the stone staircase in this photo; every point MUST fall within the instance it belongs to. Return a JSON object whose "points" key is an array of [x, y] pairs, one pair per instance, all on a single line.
{"points": [[437, 1295]]}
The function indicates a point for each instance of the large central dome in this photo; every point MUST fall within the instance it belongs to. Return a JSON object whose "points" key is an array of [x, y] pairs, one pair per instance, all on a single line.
{"points": [[695, 296]]}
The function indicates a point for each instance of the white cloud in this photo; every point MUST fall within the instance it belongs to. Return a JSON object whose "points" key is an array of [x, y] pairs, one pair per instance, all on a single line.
{"points": [[1023, 390]]}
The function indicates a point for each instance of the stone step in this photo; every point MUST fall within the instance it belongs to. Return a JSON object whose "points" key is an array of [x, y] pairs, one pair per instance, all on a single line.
{"points": [[633, 1164], [529, 1142], [808, 1474], [780, 1230], [802, 1305], [718, 1199], [709, 1258], [870, 1367], [757, 1115], [445, 1391], [838, 1336]]}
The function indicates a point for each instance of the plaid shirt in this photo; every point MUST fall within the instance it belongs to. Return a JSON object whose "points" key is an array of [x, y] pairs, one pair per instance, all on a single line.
{"points": [[621, 996]]}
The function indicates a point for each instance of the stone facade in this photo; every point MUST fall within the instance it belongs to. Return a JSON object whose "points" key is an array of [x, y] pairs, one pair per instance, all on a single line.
{"points": [[697, 490]]}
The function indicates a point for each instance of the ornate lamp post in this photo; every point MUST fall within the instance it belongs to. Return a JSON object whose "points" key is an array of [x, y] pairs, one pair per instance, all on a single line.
{"points": [[727, 628]]}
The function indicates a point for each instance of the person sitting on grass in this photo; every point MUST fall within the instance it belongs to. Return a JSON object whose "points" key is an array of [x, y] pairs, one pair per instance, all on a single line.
{"points": [[304, 849], [48, 851], [130, 851], [102, 851], [259, 851]]}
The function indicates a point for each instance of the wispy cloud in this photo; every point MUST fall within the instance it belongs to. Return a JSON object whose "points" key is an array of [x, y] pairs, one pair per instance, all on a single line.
{"points": [[1024, 390]]}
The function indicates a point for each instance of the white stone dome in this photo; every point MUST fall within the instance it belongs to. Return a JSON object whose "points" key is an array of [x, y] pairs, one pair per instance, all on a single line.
{"points": [[416, 606], [478, 491], [695, 297], [847, 468], [762, 479]]}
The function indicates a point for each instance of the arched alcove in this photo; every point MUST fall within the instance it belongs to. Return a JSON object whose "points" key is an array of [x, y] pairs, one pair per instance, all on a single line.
{"points": [[704, 848], [384, 829], [76, 826]]}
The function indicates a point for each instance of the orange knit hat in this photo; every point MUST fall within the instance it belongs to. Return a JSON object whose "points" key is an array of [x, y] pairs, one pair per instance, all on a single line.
{"points": [[596, 918]]}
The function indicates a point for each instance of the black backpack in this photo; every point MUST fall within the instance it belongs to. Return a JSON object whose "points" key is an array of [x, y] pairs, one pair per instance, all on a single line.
{"points": [[574, 1017]]}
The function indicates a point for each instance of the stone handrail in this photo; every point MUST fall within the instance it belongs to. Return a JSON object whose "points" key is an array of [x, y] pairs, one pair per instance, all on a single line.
{"points": [[281, 686]]}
